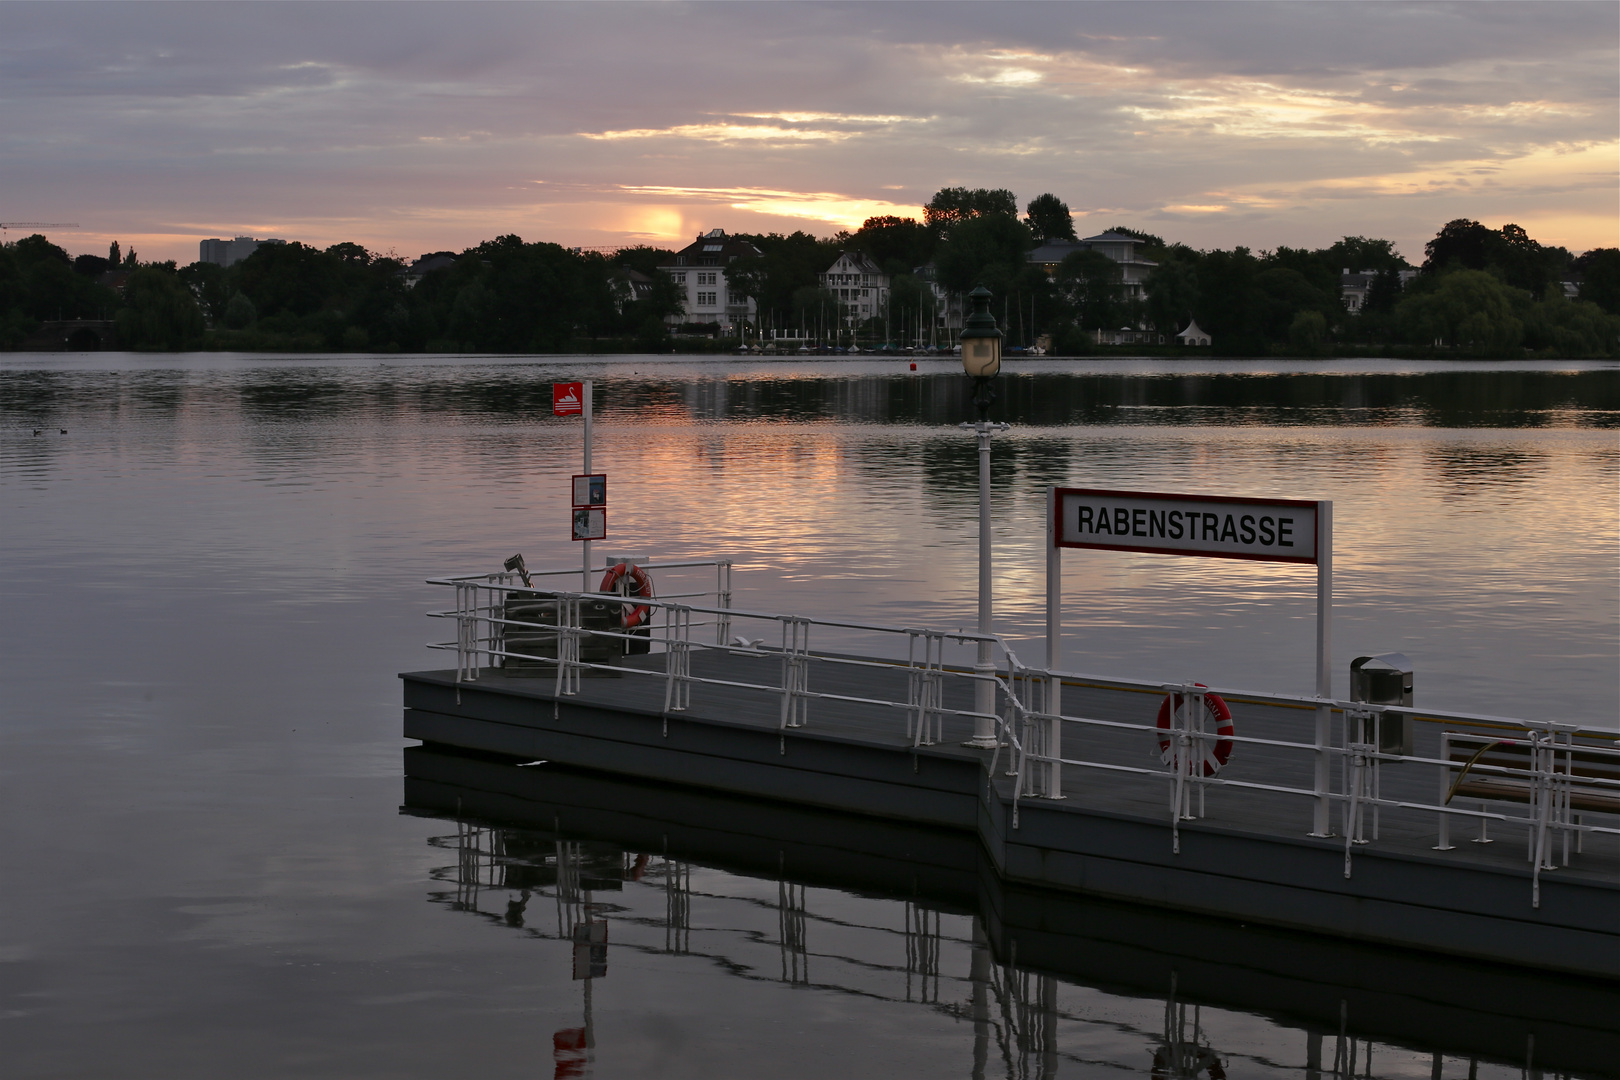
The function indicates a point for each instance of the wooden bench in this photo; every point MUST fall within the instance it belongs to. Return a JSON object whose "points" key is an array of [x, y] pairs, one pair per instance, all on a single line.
{"points": [[1501, 769]]}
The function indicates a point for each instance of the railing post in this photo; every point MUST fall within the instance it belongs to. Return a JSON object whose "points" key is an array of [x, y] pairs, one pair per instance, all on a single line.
{"points": [[678, 658], [722, 590], [568, 635], [795, 670], [1443, 841]]}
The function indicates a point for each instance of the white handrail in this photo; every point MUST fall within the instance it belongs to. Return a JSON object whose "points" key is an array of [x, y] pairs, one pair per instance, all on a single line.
{"points": [[1024, 728]]}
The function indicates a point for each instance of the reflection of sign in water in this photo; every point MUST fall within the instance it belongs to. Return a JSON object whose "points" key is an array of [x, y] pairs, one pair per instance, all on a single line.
{"points": [[590, 524], [590, 950], [567, 398], [590, 490]]}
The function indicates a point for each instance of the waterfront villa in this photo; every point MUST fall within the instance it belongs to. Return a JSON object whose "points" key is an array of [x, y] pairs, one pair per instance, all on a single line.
{"points": [[699, 270], [859, 283], [1118, 246]]}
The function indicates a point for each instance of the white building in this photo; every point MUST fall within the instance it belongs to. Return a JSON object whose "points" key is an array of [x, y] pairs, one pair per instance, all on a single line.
{"points": [[699, 271], [230, 252], [859, 283], [1194, 334], [1353, 286]]}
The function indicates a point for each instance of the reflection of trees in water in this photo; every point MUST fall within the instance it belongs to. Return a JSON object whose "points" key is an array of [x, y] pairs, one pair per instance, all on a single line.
{"points": [[1444, 399], [1470, 398], [1474, 468]]}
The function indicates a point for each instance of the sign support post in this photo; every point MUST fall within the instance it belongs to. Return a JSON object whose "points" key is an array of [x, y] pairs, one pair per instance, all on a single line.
{"points": [[1054, 642], [1322, 824], [585, 576], [1218, 526]]}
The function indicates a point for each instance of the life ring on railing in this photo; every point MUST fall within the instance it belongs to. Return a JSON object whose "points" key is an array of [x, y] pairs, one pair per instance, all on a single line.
{"points": [[1216, 754], [628, 579]]}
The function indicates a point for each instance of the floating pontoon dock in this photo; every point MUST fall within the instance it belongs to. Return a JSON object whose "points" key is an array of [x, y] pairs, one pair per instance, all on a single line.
{"points": [[1487, 837]]}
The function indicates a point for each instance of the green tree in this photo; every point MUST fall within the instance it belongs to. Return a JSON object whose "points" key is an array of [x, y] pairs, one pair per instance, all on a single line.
{"points": [[1287, 293], [897, 244], [288, 279], [1557, 326], [986, 250], [159, 311], [785, 265], [240, 313], [1383, 292], [1469, 310], [1172, 289], [1600, 278], [951, 206], [1231, 304], [1358, 253], [1090, 288], [1149, 240], [1308, 333], [207, 283], [38, 283], [1461, 244], [643, 259], [1048, 218]]}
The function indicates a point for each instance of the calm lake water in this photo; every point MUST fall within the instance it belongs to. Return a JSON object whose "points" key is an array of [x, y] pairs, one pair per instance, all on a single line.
{"points": [[211, 570]]}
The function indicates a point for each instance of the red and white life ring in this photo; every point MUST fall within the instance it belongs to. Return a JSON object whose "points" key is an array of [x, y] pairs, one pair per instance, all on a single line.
{"points": [[638, 584], [1216, 753]]}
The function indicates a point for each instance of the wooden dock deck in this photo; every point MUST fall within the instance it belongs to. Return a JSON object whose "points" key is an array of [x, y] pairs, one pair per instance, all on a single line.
{"points": [[1248, 858]]}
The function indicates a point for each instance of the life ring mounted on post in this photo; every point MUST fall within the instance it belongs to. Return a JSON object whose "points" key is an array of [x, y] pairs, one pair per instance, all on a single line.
{"points": [[628, 579], [1215, 753]]}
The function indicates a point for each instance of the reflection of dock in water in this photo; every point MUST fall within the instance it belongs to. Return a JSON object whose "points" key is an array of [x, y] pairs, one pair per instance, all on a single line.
{"points": [[1037, 973]]}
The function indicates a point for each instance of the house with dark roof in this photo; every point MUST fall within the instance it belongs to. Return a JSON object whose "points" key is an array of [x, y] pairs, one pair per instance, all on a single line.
{"points": [[1118, 246], [421, 268], [699, 270]]}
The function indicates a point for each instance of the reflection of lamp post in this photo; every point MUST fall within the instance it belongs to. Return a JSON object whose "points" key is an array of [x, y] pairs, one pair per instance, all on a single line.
{"points": [[981, 359]]}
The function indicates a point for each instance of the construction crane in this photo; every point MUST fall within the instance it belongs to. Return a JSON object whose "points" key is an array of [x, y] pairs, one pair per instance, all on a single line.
{"points": [[7, 226]]}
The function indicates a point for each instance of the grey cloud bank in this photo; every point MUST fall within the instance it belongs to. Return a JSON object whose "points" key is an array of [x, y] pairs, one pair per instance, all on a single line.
{"points": [[419, 126]]}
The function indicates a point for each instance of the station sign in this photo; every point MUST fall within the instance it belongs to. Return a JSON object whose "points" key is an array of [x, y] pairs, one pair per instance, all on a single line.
{"points": [[567, 399], [590, 489], [1272, 530]]}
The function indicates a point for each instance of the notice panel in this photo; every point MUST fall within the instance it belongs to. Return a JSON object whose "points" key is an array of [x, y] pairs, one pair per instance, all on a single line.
{"points": [[590, 489], [1276, 530]]}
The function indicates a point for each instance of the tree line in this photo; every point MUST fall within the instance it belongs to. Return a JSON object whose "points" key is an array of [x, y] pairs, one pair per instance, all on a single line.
{"points": [[1478, 291]]}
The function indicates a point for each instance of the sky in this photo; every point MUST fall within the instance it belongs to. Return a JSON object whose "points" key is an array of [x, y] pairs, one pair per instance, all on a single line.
{"points": [[434, 126]]}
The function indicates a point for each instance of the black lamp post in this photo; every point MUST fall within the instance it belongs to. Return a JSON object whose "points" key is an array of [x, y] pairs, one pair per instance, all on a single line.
{"points": [[981, 359]]}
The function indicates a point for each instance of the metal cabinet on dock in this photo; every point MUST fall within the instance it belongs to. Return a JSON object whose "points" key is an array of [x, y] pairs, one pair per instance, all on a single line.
{"points": [[1385, 679], [541, 612]]}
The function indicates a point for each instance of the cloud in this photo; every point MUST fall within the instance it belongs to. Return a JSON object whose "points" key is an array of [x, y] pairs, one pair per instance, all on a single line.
{"points": [[427, 125]]}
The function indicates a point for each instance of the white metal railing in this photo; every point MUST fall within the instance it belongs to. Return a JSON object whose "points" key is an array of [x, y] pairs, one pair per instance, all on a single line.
{"points": [[1549, 782]]}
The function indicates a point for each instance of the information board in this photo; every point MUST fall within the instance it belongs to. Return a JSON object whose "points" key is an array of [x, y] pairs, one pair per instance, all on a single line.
{"points": [[590, 524], [590, 489]]}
